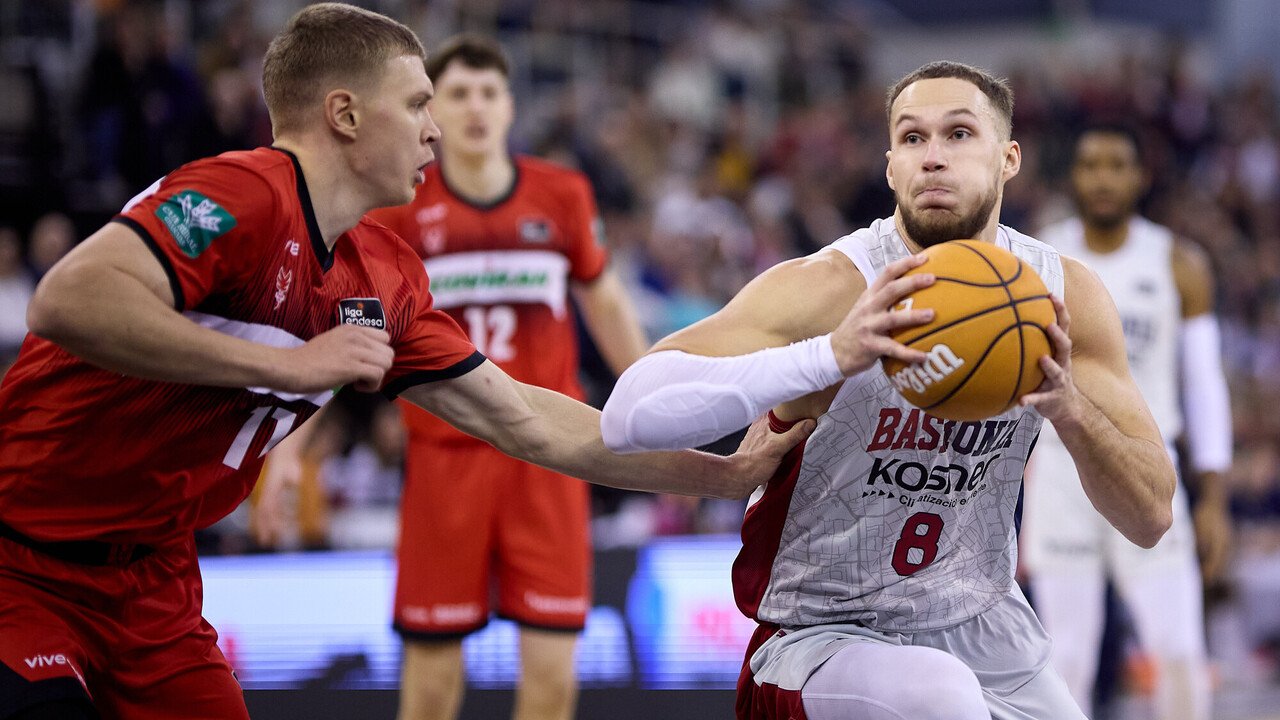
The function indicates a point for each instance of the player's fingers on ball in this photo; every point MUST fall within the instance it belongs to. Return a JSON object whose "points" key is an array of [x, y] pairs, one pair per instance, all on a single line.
{"points": [[907, 318], [906, 354], [1060, 309], [1051, 368], [893, 292], [1061, 341], [911, 262], [897, 268]]}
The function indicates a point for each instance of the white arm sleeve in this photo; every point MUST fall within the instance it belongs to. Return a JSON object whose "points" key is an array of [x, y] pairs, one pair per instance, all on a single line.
{"points": [[672, 400], [1205, 398]]}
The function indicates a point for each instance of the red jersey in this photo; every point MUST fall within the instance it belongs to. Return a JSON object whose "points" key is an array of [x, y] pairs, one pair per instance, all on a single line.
{"points": [[502, 270], [90, 454]]}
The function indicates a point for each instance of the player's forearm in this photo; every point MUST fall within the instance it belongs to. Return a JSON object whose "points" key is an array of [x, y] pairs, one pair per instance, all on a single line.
{"points": [[1129, 480], [613, 323], [672, 399], [111, 320], [563, 435], [1210, 489]]}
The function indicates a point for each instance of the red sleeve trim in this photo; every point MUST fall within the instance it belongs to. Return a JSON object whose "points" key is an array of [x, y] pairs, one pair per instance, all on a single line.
{"points": [[779, 425], [422, 377]]}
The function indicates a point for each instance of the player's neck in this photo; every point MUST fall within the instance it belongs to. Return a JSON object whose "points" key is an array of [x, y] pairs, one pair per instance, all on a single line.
{"points": [[480, 179], [1103, 239], [336, 202]]}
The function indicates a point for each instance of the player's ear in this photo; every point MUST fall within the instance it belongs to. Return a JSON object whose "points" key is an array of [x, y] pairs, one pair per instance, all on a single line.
{"points": [[1012, 160], [888, 168], [340, 112]]}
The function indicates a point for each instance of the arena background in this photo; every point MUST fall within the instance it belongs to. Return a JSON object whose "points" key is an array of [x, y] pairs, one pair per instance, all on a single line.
{"points": [[721, 137]]}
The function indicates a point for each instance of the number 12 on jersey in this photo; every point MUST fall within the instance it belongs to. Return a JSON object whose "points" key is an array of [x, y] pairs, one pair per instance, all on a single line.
{"points": [[917, 546], [491, 329]]}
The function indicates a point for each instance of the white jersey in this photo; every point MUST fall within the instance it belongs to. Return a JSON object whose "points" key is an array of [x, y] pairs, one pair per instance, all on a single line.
{"points": [[1139, 276], [888, 516]]}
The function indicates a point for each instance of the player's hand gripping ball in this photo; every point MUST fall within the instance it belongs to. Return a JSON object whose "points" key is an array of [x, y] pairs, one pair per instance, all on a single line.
{"points": [[991, 311]]}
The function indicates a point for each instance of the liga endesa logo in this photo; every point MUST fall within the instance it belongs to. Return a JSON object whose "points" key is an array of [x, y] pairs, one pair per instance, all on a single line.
{"points": [[366, 312]]}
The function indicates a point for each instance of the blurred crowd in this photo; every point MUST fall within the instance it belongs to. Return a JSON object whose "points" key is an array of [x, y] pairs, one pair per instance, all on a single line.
{"points": [[721, 138]]}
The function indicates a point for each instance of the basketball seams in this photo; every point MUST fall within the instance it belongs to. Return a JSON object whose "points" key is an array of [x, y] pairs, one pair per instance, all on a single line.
{"points": [[1017, 318], [1009, 345], [978, 364], [980, 313]]}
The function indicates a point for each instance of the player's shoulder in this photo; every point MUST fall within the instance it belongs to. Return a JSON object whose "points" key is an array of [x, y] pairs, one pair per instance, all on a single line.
{"points": [[269, 165], [384, 251], [1189, 253], [537, 167], [826, 278], [377, 237], [1192, 272], [1065, 235], [549, 176], [1020, 241]]}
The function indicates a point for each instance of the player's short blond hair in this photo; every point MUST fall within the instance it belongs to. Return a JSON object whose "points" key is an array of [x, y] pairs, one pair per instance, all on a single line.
{"points": [[324, 46], [996, 89]]}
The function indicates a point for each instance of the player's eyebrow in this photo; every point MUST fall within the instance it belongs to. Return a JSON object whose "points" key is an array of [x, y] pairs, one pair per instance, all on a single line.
{"points": [[958, 112]]}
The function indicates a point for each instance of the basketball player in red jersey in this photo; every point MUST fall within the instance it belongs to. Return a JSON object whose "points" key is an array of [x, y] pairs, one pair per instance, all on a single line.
{"points": [[879, 561], [504, 240], [176, 345]]}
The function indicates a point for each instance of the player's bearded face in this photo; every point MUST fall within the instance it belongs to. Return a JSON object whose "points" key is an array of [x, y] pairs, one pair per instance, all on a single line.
{"points": [[929, 225]]}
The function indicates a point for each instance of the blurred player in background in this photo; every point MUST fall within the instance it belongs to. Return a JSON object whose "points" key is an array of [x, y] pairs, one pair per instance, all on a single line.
{"points": [[880, 596], [177, 344], [1163, 288], [505, 240]]}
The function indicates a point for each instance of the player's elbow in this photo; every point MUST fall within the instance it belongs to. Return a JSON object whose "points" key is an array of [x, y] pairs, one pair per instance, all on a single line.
{"points": [[1157, 515], [1155, 524], [48, 316], [613, 426], [613, 432]]}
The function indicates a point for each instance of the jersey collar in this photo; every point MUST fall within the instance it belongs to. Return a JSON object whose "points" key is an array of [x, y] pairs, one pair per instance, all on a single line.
{"points": [[323, 254], [478, 205]]}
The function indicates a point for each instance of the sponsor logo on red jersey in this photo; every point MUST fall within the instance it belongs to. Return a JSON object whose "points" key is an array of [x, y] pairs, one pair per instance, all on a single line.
{"points": [[366, 312], [194, 221], [535, 230]]}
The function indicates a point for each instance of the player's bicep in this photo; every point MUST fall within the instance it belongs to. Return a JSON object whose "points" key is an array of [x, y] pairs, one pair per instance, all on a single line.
{"points": [[114, 253], [791, 301], [1099, 364]]}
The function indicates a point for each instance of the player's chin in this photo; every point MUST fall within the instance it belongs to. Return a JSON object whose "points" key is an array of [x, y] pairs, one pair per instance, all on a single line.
{"points": [[403, 196]]}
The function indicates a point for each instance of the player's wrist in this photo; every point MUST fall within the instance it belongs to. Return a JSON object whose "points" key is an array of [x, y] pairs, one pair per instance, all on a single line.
{"points": [[1071, 417], [270, 367]]}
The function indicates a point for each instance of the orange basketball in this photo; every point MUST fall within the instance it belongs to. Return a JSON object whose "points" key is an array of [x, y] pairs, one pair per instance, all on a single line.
{"points": [[988, 333]]}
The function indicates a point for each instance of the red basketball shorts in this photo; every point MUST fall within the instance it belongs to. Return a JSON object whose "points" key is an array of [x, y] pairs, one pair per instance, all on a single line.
{"points": [[482, 532], [129, 639]]}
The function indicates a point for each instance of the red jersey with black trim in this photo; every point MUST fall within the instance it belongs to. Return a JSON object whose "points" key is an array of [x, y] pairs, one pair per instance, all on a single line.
{"points": [[502, 271], [91, 454]]}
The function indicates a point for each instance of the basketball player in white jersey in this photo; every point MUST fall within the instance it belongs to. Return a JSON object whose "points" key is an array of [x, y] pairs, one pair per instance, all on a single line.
{"points": [[1163, 289], [879, 560]]}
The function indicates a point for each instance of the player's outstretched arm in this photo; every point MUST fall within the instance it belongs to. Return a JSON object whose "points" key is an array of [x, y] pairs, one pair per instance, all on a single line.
{"points": [[109, 302], [798, 329], [1095, 406], [1206, 403], [557, 432], [611, 318]]}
